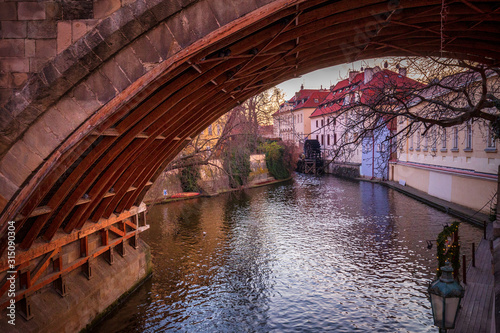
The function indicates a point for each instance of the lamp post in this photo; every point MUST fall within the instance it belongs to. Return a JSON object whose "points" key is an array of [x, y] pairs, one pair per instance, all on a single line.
{"points": [[445, 294]]}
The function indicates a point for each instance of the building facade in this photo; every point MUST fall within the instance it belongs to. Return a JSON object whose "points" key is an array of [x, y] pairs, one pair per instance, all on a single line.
{"points": [[291, 122]]}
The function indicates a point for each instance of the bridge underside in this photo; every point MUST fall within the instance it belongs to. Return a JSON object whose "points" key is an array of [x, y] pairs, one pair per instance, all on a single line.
{"points": [[101, 121]]}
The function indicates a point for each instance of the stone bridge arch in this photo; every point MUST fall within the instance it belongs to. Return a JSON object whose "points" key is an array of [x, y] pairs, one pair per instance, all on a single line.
{"points": [[87, 129]]}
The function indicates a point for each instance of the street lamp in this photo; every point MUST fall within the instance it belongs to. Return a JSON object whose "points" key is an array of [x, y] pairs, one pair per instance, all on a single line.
{"points": [[445, 294]]}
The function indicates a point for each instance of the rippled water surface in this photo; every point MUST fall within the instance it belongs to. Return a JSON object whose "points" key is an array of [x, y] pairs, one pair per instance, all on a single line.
{"points": [[309, 255]]}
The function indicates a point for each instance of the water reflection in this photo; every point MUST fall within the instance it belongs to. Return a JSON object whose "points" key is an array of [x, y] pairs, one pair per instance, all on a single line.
{"points": [[316, 254]]}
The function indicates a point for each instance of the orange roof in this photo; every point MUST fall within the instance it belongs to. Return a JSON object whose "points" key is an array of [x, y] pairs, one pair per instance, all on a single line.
{"points": [[334, 101]]}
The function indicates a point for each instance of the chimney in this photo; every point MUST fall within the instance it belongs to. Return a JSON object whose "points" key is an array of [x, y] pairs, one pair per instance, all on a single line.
{"points": [[302, 86], [368, 74], [352, 75], [402, 71]]}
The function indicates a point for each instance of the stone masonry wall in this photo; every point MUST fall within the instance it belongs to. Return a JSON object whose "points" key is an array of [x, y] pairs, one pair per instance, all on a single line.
{"points": [[34, 32]]}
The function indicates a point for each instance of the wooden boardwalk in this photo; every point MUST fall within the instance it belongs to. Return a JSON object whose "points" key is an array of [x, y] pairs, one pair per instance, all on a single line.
{"points": [[475, 314]]}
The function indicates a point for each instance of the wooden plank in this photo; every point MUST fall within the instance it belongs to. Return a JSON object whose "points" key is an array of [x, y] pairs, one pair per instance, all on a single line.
{"points": [[475, 313], [74, 265], [106, 132], [43, 264], [64, 190], [116, 231], [41, 248]]}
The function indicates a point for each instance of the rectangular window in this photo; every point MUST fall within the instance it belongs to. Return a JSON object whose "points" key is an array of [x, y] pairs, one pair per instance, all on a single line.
{"points": [[334, 138], [317, 137], [455, 138], [210, 130], [322, 140], [434, 139], [328, 139], [411, 141], [317, 124], [322, 122], [443, 138], [419, 139], [491, 144], [468, 136]]}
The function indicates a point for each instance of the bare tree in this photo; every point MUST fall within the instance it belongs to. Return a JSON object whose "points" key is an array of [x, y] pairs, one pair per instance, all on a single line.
{"points": [[232, 137], [447, 93]]}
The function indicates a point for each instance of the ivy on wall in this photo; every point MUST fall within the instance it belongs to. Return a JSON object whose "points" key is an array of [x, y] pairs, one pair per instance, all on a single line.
{"points": [[448, 247]]}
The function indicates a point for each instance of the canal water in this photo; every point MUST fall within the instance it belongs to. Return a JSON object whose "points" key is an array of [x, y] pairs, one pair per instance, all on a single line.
{"points": [[308, 255]]}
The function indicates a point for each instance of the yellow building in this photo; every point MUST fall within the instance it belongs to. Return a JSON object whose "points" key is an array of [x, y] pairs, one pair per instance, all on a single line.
{"points": [[459, 164]]}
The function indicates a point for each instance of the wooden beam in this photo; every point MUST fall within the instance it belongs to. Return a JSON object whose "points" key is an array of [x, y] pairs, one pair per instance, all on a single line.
{"points": [[43, 264]]}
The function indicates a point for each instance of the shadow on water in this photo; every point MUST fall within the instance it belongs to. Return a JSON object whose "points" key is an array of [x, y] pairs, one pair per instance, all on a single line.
{"points": [[312, 254]]}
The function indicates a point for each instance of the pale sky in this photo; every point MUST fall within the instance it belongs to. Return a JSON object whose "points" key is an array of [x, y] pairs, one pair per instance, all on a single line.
{"points": [[326, 77]]}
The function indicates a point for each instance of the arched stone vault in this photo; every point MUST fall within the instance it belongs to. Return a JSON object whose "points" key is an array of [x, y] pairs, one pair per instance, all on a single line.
{"points": [[87, 134]]}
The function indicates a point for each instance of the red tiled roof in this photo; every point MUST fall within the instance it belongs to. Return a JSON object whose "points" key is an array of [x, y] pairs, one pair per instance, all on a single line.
{"points": [[309, 98], [306, 98], [334, 101]]}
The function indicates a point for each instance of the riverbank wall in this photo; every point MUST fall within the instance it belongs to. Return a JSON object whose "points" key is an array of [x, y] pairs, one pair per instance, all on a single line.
{"points": [[213, 180]]}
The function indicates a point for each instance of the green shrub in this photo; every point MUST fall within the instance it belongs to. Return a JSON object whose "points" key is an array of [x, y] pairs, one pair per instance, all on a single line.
{"points": [[237, 165], [189, 177], [275, 161]]}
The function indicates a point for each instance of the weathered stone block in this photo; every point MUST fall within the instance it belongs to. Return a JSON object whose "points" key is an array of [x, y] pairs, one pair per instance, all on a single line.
{"points": [[31, 11], [115, 74], [87, 58], [46, 48], [140, 11], [42, 29], [224, 11], [8, 11], [53, 11], [28, 115], [15, 105], [245, 7], [108, 27], [4, 95], [261, 3], [163, 41], [15, 65], [49, 74], [78, 30], [201, 19], [5, 80], [71, 111], [165, 9], [13, 29], [11, 48], [7, 188], [130, 26], [41, 139], [10, 127], [102, 88], [130, 65], [57, 124], [145, 51], [85, 98], [37, 64], [64, 35], [180, 28], [29, 47], [104, 8], [67, 64], [19, 162], [115, 43], [98, 45], [19, 79], [77, 10]]}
